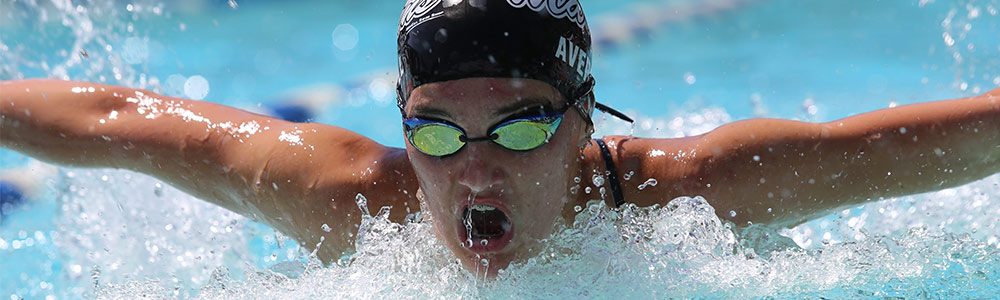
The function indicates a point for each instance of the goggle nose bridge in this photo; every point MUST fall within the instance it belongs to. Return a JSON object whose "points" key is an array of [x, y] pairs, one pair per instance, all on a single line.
{"points": [[489, 138]]}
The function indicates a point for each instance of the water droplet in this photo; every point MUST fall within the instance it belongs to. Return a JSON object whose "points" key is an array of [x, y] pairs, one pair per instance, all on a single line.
{"points": [[484, 242], [756, 158], [326, 228], [732, 213], [196, 87], [362, 204], [468, 243], [689, 78], [577, 208], [598, 180], [649, 182], [345, 37]]}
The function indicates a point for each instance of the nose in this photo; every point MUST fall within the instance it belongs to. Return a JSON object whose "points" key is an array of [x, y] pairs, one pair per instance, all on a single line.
{"points": [[480, 168]]}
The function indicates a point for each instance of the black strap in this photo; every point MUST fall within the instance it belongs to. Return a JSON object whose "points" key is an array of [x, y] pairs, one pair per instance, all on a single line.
{"points": [[616, 187]]}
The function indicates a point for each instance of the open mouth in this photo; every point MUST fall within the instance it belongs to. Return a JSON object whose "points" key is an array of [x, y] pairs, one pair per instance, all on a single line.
{"points": [[485, 228]]}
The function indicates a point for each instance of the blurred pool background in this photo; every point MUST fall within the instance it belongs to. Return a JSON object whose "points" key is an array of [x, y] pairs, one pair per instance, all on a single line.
{"points": [[680, 67]]}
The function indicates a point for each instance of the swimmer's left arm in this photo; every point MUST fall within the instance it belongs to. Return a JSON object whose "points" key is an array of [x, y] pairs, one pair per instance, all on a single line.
{"points": [[785, 172]]}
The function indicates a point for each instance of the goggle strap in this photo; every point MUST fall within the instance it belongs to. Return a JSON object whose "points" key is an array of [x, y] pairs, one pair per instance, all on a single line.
{"points": [[613, 112], [587, 88]]}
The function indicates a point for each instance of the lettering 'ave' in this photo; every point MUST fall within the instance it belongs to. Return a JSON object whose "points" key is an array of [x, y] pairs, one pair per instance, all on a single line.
{"points": [[573, 55]]}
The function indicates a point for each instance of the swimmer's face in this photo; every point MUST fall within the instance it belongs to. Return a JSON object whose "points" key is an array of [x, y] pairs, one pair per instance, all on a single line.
{"points": [[514, 198]]}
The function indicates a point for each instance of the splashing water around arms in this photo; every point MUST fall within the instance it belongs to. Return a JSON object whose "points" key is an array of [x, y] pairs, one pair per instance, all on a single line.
{"points": [[295, 177]]}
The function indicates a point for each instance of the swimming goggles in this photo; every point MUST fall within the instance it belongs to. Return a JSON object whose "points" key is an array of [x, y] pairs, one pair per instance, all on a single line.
{"points": [[441, 138]]}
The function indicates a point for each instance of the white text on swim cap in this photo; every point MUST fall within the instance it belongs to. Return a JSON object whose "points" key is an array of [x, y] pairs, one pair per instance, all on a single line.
{"points": [[569, 9], [573, 55]]}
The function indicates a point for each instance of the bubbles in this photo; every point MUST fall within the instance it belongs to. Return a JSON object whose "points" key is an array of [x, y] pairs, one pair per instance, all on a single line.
{"points": [[196, 87], [345, 37]]}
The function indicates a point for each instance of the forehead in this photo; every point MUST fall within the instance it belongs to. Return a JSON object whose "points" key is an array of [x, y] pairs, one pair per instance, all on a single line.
{"points": [[481, 94]]}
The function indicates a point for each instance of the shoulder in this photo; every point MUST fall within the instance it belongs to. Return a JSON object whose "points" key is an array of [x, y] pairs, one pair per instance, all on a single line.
{"points": [[650, 170], [319, 190]]}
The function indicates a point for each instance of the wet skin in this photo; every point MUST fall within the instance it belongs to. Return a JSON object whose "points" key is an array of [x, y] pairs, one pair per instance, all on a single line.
{"points": [[532, 187], [776, 172]]}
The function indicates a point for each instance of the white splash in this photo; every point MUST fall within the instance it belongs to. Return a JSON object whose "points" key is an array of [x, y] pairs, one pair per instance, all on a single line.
{"points": [[293, 138], [248, 128]]}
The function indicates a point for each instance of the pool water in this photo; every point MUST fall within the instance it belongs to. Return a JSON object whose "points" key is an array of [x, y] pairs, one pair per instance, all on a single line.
{"points": [[680, 67]]}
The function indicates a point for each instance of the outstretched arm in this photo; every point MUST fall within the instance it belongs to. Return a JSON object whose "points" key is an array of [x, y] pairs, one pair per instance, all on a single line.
{"points": [[786, 172], [293, 176]]}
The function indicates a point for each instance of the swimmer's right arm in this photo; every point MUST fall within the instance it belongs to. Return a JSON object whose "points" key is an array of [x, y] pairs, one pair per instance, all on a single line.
{"points": [[295, 177]]}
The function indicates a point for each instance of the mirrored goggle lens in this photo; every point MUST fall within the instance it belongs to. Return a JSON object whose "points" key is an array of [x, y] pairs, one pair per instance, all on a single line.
{"points": [[525, 134], [436, 139]]}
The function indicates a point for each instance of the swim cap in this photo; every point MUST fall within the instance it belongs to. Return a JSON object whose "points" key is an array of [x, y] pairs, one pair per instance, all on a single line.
{"points": [[546, 40]]}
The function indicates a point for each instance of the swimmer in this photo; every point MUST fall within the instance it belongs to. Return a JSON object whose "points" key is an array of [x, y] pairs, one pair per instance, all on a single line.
{"points": [[496, 101]]}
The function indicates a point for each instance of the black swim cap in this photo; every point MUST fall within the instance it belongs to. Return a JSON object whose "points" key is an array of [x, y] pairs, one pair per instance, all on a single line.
{"points": [[546, 40]]}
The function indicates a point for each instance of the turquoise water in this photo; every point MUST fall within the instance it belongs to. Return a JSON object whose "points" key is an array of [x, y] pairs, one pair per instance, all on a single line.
{"points": [[681, 67]]}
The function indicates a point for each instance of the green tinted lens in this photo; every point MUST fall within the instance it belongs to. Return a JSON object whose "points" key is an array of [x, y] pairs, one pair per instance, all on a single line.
{"points": [[436, 139], [524, 135]]}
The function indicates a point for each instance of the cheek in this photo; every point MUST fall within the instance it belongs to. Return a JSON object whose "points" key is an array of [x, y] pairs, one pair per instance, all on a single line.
{"points": [[552, 175], [433, 178]]}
